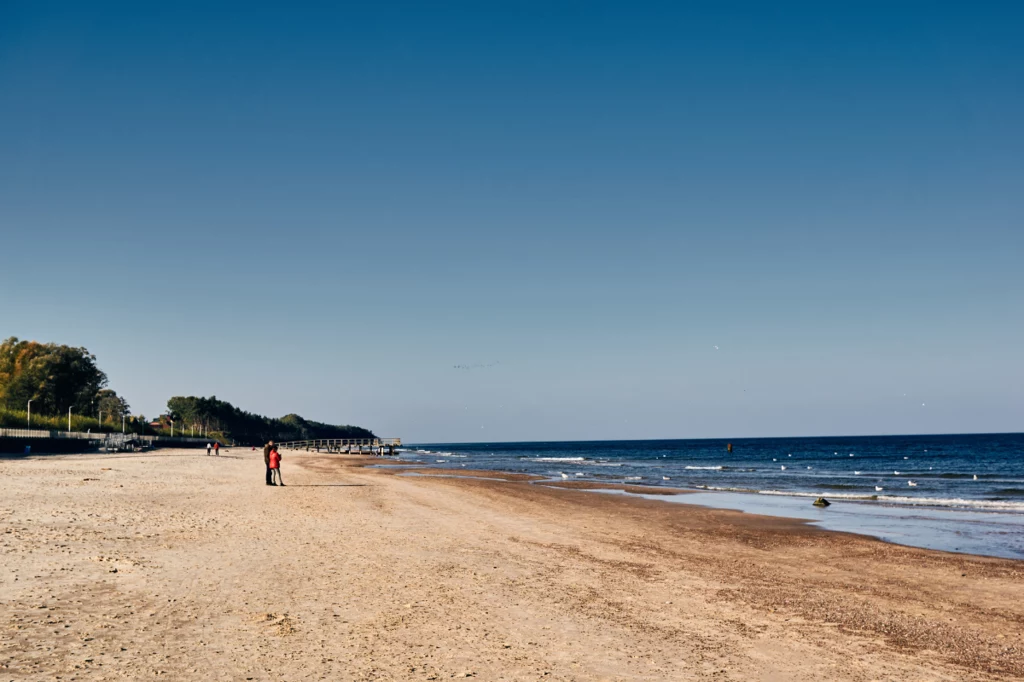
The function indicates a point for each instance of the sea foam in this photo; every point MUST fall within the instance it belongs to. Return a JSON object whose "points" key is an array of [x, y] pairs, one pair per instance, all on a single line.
{"points": [[902, 500], [554, 459]]}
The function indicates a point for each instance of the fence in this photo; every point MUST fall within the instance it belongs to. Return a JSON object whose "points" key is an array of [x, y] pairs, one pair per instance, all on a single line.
{"points": [[98, 436], [349, 446]]}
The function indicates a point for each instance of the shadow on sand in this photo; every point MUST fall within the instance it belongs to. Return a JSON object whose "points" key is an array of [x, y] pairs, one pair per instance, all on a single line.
{"points": [[326, 485]]}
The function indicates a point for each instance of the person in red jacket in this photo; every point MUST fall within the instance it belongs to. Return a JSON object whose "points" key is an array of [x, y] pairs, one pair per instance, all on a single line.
{"points": [[275, 467], [216, 447]]}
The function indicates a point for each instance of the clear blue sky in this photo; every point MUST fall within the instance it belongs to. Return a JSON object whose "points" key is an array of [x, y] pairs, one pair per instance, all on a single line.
{"points": [[323, 210]]}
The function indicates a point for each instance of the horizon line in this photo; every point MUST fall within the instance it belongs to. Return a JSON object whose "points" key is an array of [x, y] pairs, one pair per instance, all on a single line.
{"points": [[722, 438]]}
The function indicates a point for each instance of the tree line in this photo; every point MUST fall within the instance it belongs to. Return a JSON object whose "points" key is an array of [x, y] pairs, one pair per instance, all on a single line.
{"points": [[222, 419], [60, 379], [52, 380]]}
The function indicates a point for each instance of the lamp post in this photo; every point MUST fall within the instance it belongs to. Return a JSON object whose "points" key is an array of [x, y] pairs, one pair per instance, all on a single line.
{"points": [[69, 419], [99, 420], [172, 427], [30, 414], [122, 422]]}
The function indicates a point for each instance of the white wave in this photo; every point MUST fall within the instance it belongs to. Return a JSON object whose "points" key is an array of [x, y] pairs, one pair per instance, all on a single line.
{"points": [[785, 493], [554, 459], [954, 502], [841, 496], [717, 468], [605, 464], [726, 489], [891, 499], [633, 478]]}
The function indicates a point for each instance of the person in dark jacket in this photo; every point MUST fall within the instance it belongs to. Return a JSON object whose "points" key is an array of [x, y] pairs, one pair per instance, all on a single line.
{"points": [[266, 460]]}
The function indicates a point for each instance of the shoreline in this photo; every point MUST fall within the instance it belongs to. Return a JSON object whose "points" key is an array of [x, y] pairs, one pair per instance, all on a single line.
{"points": [[973, 528], [126, 566], [981, 471], [886, 523]]}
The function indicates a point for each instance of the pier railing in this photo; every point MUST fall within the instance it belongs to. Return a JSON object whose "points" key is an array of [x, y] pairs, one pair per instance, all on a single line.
{"points": [[346, 446]]}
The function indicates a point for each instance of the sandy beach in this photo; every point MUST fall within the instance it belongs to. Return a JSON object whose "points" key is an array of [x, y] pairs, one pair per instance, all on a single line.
{"points": [[179, 566]]}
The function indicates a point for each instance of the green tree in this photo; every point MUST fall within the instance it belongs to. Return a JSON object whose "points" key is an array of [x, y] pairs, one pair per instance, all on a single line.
{"points": [[224, 419], [112, 405], [53, 376]]}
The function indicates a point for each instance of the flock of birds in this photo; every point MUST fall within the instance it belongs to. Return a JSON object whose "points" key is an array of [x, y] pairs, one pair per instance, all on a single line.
{"points": [[477, 365], [878, 488], [910, 482]]}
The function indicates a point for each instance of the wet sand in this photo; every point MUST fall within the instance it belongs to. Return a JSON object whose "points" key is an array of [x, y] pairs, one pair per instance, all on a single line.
{"points": [[175, 565]]}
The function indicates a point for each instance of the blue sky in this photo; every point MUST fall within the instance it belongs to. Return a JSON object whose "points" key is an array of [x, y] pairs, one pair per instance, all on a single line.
{"points": [[324, 210]]}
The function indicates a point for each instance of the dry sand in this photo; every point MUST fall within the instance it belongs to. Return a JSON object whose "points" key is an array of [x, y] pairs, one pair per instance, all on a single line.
{"points": [[180, 566]]}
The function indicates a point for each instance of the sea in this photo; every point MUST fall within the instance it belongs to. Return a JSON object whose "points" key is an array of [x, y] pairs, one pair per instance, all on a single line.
{"points": [[958, 493]]}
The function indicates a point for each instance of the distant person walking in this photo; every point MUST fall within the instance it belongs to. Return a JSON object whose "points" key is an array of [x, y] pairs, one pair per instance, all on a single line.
{"points": [[275, 466], [216, 447], [266, 459], [208, 446]]}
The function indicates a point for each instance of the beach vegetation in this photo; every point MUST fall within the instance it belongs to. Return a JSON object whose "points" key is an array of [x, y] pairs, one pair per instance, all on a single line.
{"points": [[111, 405], [18, 419], [64, 383], [54, 377], [222, 420]]}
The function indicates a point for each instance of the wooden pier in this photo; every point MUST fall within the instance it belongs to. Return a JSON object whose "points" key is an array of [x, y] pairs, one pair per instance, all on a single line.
{"points": [[346, 446]]}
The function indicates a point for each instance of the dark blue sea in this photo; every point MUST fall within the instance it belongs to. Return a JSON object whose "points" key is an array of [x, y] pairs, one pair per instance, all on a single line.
{"points": [[953, 492]]}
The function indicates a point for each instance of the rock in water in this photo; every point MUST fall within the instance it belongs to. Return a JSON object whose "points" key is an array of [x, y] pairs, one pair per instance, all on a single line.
{"points": [[821, 502]]}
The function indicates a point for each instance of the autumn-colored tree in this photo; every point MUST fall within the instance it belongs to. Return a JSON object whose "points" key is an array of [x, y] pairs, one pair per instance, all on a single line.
{"points": [[54, 377]]}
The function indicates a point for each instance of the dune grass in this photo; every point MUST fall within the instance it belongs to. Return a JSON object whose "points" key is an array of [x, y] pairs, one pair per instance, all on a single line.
{"points": [[18, 419]]}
